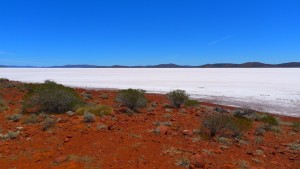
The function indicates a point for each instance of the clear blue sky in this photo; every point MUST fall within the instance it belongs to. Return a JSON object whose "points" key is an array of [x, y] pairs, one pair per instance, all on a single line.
{"points": [[142, 32]]}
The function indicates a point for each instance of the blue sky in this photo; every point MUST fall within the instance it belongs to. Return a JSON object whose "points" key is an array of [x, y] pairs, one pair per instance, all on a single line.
{"points": [[136, 32]]}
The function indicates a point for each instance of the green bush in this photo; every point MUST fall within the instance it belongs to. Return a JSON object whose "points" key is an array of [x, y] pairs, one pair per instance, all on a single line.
{"points": [[219, 123], [132, 98], [98, 110], [216, 123], [50, 97], [191, 103], [270, 120], [177, 97]]}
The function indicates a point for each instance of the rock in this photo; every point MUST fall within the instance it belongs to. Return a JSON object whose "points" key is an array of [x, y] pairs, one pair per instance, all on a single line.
{"points": [[110, 127], [66, 140], [61, 159], [70, 113], [163, 130], [197, 161], [187, 132], [19, 128]]}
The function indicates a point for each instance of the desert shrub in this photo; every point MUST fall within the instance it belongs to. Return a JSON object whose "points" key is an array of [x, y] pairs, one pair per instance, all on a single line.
{"points": [[270, 120], [14, 117], [166, 105], [132, 98], [48, 123], [244, 112], [2, 105], [191, 103], [220, 110], [248, 114], [2, 80], [215, 123], [104, 96], [218, 123], [51, 97], [86, 96], [98, 110], [183, 162], [32, 119], [177, 97], [296, 126], [260, 130], [88, 117], [238, 125]]}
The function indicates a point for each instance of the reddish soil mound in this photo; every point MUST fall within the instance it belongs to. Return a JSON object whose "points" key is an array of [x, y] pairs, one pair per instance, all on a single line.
{"points": [[130, 140]]}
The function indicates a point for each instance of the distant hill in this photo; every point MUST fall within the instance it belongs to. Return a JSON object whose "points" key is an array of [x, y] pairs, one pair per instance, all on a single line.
{"points": [[171, 65], [252, 65]]}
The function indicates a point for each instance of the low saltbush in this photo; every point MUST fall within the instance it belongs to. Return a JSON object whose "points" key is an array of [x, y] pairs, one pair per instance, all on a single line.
{"points": [[88, 117], [220, 110], [270, 120], [133, 99], [216, 123], [32, 119], [50, 97], [48, 123], [14, 117], [98, 110], [219, 123], [177, 97], [191, 103]]}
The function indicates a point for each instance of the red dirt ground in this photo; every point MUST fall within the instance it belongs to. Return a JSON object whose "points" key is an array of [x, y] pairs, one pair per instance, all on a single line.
{"points": [[128, 142]]}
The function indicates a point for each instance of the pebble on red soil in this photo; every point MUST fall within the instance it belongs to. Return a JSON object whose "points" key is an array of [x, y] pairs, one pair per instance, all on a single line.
{"points": [[187, 132], [163, 130], [197, 161]]}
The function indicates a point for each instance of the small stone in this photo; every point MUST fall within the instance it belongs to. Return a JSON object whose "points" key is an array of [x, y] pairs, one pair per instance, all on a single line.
{"points": [[197, 161], [61, 159], [19, 128], [70, 113], [67, 140], [187, 132], [163, 130]]}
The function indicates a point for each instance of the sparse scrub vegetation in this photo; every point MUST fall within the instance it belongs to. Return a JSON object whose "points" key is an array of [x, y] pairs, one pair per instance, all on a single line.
{"points": [[218, 123], [215, 123], [220, 110], [183, 162], [32, 119], [10, 135], [88, 117], [270, 120], [191, 103], [14, 117], [133, 99], [50, 97], [98, 110], [48, 123], [265, 128], [2, 105], [296, 126], [178, 97], [104, 96]]}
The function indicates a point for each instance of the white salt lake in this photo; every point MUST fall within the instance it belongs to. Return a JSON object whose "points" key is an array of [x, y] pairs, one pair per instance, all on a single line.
{"points": [[274, 90]]}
